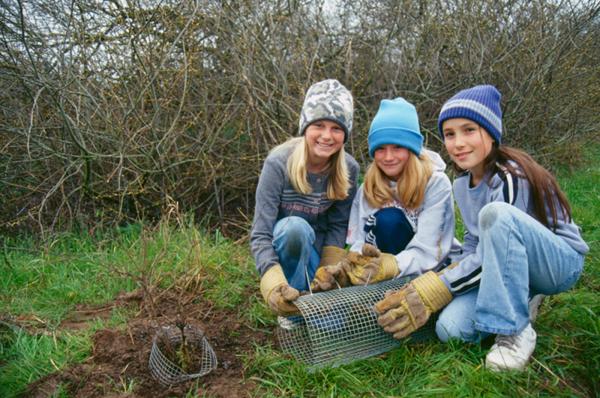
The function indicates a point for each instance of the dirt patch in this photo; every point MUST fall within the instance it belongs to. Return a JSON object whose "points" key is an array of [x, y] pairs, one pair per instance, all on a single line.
{"points": [[118, 366]]}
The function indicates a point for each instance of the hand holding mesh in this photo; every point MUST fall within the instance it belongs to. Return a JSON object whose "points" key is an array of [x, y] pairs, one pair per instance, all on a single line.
{"points": [[371, 266], [281, 300], [329, 277], [404, 311], [278, 294]]}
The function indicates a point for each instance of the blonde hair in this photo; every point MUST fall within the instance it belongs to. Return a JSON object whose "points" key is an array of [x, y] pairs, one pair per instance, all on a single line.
{"points": [[338, 185], [410, 188]]}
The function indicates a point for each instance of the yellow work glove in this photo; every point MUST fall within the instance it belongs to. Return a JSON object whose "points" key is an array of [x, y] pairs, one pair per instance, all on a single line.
{"points": [[406, 310], [330, 273], [371, 266], [329, 277], [331, 255], [278, 294]]}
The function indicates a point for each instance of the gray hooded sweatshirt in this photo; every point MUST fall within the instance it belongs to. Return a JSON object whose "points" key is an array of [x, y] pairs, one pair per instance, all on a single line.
{"points": [[276, 198]]}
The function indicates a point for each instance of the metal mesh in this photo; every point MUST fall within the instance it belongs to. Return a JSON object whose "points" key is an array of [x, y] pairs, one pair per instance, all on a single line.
{"points": [[167, 372], [340, 326]]}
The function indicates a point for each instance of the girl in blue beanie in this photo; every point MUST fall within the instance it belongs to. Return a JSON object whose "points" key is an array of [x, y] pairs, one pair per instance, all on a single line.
{"points": [[520, 240], [402, 218]]}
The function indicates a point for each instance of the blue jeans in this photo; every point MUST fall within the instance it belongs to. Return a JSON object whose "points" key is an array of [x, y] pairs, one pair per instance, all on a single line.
{"points": [[293, 240], [521, 258], [389, 230]]}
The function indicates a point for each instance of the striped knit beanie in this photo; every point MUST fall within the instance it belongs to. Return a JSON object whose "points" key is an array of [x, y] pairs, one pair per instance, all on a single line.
{"points": [[327, 100], [480, 104]]}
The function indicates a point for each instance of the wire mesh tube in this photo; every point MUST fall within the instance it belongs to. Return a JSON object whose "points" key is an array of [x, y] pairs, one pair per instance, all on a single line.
{"points": [[165, 370], [340, 326]]}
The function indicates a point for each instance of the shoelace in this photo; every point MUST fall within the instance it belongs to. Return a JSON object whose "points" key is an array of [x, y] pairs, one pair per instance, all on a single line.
{"points": [[508, 341]]}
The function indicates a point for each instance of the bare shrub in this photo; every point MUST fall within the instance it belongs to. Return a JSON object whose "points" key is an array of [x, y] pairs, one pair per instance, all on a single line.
{"points": [[113, 110]]}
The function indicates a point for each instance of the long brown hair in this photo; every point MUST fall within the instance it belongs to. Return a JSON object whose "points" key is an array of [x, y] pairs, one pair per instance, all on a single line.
{"points": [[544, 187]]}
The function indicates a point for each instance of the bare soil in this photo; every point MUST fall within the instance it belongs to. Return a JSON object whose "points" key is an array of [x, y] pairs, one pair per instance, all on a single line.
{"points": [[120, 357]]}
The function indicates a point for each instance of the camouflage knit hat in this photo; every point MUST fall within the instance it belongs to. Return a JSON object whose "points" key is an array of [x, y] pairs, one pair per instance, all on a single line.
{"points": [[328, 100]]}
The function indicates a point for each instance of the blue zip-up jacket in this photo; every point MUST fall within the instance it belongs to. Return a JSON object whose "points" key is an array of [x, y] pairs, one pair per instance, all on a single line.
{"points": [[502, 187]]}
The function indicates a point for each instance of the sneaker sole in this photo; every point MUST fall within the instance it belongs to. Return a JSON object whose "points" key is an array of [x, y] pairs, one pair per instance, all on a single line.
{"points": [[498, 368]]}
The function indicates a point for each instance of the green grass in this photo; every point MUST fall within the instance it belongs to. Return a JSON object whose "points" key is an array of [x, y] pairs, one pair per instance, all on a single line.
{"points": [[29, 357], [45, 281], [76, 269]]}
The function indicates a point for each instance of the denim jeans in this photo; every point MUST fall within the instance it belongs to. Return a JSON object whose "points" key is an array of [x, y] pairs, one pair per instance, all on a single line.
{"points": [[389, 230], [293, 240], [521, 258]]}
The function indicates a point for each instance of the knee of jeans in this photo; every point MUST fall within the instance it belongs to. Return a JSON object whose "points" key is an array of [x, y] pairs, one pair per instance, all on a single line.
{"points": [[492, 213], [390, 218], [294, 228], [446, 329]]}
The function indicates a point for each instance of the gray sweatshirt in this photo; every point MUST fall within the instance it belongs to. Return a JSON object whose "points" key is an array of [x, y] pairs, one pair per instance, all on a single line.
{"points": [[276, 198], [432, 222], [470, 201]]}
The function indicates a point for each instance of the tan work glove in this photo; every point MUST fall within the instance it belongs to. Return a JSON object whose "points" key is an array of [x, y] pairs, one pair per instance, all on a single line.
{"points": [[330, 273], [278, 294], [371, 266], [329, 277], [406, 310]]}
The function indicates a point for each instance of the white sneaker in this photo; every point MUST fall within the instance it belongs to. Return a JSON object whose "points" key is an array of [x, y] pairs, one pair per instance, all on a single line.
{"points": [[534, 306], [511, 352]]}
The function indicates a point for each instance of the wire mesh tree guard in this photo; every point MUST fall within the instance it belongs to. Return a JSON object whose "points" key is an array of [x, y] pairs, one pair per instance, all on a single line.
{"points": [[340, 326], [165, 370]]}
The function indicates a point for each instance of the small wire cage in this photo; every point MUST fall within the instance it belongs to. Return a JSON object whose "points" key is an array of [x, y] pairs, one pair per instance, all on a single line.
{"points": [[165, 370], [340, 326]]}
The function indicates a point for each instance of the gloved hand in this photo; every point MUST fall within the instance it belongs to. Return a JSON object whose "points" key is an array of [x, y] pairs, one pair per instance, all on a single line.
{"points": [[330, 273], [371, 266], [406, 310], [278, 294], [331, 255], [329, 277]]}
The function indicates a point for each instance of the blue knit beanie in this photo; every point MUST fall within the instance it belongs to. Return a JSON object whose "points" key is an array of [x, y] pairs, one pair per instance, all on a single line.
{"points": [[480, 104], [397, 123]]}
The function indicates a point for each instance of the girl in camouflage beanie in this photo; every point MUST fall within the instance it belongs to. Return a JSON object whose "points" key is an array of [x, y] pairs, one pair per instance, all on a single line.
{"points": [[303, 198]]}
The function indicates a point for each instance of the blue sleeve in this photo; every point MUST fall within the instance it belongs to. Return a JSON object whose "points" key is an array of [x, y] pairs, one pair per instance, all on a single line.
{"points": [[467, 274]]}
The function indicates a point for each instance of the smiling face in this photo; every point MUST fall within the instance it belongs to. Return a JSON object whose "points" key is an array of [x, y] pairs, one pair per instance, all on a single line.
{"points": [[391, 160], [468, 145], [324, 139]]}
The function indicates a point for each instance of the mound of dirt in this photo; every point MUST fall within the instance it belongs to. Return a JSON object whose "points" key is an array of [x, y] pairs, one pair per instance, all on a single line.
{"points": [[118, 366]]}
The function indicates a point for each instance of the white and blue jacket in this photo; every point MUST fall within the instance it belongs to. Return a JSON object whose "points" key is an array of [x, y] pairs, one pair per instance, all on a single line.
{"points": [[432, 222]]}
